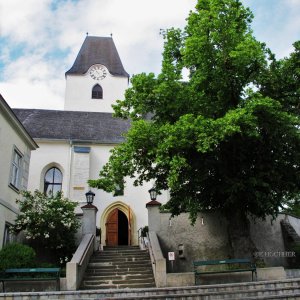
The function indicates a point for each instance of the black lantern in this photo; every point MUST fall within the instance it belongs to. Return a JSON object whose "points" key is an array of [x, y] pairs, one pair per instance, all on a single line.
{"points": [[152, 193], [89, 197]]}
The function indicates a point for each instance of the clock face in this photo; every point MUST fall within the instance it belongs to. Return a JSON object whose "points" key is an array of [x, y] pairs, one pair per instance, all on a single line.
{"points": [[98, 72]]}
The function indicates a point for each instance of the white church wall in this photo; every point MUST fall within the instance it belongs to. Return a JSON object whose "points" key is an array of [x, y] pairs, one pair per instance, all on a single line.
{"points": [[135, 197], [50, 154], [79, 92], [84, 166]]}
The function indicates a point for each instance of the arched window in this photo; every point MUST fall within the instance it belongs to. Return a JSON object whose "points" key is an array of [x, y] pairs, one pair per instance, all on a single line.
{"points": [[52, 182], [97, 92]]}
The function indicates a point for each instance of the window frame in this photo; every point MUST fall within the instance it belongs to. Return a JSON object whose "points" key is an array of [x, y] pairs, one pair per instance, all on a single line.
{"points": [[16, 169], [8, 237], [100, 92], [53, 182]]}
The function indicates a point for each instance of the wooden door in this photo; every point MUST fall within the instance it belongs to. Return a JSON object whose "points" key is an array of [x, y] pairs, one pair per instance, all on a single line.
{"points": [[112, 228]]}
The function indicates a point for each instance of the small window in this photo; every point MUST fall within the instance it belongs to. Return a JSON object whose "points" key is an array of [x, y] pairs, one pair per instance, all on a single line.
{"points": [[16, 168], [8, 236], [52, 182], [97, 92]]}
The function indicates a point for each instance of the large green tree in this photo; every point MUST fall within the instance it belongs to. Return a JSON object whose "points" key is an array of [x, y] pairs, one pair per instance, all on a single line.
{"points": [[214, 143]]}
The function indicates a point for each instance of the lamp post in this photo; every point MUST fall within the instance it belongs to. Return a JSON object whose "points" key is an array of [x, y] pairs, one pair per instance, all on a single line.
{"points": [[153, 211], [153, 194], [89, 197], [89, 214]]}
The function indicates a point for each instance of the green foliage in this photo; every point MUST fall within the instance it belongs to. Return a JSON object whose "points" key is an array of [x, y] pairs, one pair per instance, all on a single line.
{"points": [[292, 207], [281, 80], [49, 223], [212, 141], [17, 256]]}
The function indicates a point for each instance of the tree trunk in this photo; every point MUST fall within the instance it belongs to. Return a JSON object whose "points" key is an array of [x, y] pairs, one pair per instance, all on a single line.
{"points": [[240, 240]]}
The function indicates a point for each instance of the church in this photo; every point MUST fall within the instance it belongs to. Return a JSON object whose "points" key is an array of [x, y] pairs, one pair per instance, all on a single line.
{"points": [[75, 143]]}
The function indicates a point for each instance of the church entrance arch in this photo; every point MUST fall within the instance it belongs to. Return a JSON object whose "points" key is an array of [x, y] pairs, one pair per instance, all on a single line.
{"points": [[118, 224]]}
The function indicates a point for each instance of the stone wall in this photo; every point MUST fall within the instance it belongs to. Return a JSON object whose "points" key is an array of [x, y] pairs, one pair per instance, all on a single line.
{"points": [[208, 238]]}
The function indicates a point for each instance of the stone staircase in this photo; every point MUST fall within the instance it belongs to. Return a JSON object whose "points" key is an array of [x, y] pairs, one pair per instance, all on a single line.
{"points": [[275, 289], [119, 267], [284, 289]]}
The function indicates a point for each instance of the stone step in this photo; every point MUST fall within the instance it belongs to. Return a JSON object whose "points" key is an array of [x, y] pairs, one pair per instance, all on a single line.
{"points": [[120, 259], [140, 272], [121, 247], [203, 292], [118, 277], [199, 296], [118, 281], [119, 286], [121, 255], [97, 266], [119, 267], [245, 291], [108, 249], [117, 253]]}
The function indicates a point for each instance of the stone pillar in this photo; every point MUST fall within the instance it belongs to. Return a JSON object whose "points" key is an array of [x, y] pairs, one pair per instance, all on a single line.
{"points": [[153, 215], [157, 258], [89, 221]]}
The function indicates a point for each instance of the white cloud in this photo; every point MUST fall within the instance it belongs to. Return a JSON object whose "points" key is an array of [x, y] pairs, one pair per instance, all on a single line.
{"points": [[135, 26], [45, 33], [26, 94]]}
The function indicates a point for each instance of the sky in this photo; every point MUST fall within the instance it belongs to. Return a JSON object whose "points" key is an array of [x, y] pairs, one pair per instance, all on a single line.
{"points": [[40, 39]]}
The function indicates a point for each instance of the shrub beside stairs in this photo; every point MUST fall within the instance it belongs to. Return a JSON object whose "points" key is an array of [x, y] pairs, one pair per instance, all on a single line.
{"points": [[119, 267]]}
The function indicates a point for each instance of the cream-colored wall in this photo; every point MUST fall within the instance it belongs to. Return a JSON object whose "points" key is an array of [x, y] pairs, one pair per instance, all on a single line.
{"points": [[61, 154], [79, 92], [10, 138]]}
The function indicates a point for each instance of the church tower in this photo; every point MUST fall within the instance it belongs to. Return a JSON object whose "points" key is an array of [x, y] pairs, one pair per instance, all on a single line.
{"points": [[97, 78]]}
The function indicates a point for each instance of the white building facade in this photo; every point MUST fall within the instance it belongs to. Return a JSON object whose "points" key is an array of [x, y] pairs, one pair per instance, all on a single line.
{"points": [[74, 144], [15, 150]]}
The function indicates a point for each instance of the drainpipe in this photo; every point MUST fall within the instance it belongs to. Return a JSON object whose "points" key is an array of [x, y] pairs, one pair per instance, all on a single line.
{"points": [[70, 169]]}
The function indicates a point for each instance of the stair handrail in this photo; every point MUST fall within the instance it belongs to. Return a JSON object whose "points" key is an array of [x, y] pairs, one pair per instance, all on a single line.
{"points": [[158, 261], [78, 264]]}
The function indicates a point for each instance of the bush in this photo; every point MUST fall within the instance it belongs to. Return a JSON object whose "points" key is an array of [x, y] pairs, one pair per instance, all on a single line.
{"points": [[48, 223], [17, 256]]}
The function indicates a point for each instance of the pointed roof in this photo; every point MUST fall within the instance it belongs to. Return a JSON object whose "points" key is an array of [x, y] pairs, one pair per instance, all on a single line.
{"points": [[98, 50]]}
